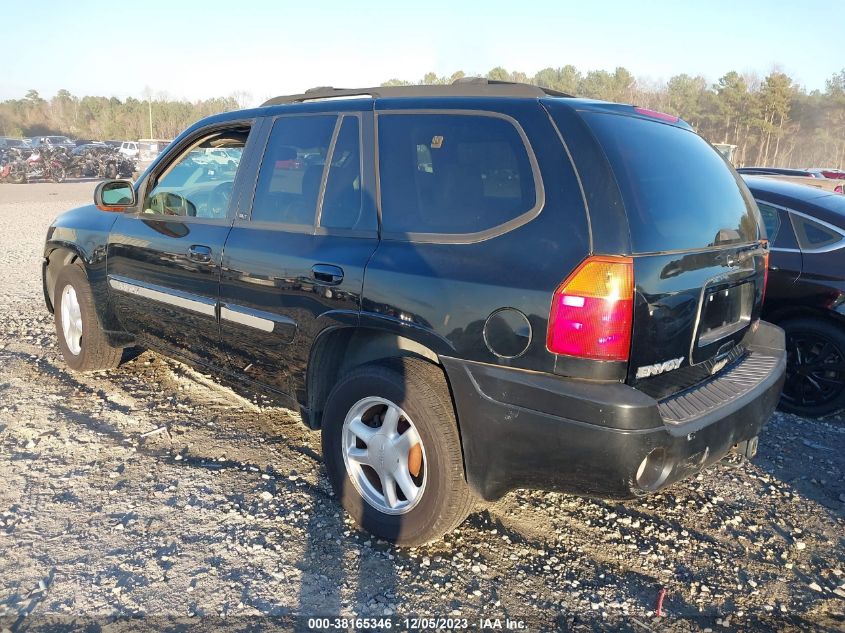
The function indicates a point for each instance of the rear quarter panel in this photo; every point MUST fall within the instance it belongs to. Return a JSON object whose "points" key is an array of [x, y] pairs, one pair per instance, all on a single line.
{"points": [[441, 294]]}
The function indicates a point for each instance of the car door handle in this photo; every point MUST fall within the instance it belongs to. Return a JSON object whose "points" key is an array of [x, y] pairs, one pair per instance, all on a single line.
{"points": [[327, 274], [199, 253]]}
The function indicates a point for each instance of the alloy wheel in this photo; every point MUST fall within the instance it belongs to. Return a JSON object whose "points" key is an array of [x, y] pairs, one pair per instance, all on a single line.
{"points": [[815, 371], [384, 455], [71, 320]]}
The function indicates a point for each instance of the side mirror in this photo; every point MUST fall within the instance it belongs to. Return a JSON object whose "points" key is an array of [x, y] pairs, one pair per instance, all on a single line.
{"points": [[115, 195]]}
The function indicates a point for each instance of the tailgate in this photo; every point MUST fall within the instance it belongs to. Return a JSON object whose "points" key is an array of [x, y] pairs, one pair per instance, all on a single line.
{"points": [[691, 313], [699, 262]]}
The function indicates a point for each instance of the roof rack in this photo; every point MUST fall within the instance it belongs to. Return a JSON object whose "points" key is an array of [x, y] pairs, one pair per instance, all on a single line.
{"points": [[465, 87]]}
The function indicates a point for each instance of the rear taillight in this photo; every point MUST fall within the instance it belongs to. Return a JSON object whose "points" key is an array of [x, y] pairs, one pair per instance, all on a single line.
{"points": [[592, 311], [765, 245], [838, 189]]}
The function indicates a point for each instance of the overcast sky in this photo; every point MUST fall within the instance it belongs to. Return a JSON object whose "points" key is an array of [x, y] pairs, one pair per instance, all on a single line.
{"points": [[196, 49]]}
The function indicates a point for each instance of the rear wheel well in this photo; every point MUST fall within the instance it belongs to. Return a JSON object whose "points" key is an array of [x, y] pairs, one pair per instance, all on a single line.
{"points": [[337, 352], [803, 312]]}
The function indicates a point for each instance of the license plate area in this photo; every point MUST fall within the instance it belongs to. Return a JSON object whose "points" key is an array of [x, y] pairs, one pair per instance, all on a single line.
{"points": [[725, 314]]}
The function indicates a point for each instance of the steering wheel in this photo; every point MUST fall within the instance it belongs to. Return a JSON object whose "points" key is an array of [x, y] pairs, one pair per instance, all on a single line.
{"points": [[171, 203], [218, 201]]}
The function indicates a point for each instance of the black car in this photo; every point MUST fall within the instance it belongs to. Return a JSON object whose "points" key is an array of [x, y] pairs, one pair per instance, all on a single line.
{"points": [[776, 171], [806, 290], [468, 289], [51, 142], [85, 148], [8, 142]]}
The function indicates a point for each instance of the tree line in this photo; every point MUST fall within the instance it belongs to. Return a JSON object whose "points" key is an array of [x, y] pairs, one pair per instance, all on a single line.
{"points": [[107, 118], [772, 120]]}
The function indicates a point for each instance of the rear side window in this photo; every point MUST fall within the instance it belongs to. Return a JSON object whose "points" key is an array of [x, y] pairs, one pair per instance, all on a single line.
{"points": [[455, 174], [292, 170], [678, 191], [342, 200], [812, 235]]}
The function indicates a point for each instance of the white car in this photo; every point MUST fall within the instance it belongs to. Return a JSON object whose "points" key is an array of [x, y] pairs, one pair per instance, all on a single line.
{"points": [[129, 148], [220, 156]]}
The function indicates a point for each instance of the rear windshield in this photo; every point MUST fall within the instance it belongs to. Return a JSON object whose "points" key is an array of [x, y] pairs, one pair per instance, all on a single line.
{"points": [[678, 191]]}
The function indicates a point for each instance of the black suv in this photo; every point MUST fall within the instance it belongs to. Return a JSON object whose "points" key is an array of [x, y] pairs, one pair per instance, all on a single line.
{"points": [[467, 288]]}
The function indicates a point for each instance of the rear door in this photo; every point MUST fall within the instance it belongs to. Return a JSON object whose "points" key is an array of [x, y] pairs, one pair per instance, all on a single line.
{"points": [[695, 232], [294, 265], [164, 261]]}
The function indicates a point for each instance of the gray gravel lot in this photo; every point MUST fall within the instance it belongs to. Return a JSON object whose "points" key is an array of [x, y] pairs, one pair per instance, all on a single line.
{"points": [[225, 515]]}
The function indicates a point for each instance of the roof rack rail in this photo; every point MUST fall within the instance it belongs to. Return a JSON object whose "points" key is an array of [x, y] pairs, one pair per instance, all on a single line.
{"points": [[465, 87]]}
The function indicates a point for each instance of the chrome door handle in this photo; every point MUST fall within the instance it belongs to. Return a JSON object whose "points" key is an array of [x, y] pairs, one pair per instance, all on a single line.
{"points": [[199, 253], [327, 274]]}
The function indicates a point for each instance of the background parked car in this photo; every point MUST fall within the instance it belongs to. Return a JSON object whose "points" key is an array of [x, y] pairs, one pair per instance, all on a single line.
{"points": [[53, 141], [826, 172], [129, 148], [776, 171], [222, 160], [806, 290], [8, 141], [796, 176]]}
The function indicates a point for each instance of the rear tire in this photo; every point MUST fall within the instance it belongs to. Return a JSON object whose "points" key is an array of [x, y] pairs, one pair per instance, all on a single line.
{"points": [[82, 342], [418, 389], [811, 390]]}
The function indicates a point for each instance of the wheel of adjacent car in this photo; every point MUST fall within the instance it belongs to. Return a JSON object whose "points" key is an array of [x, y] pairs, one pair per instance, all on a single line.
{"points": [[815, 367], [82, 342], [393, 453]]}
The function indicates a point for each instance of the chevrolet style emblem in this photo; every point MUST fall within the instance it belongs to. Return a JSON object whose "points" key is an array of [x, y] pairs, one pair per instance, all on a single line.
{"points": [[718, 366]]}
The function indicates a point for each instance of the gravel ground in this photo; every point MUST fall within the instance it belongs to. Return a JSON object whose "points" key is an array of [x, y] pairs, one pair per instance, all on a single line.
{"points": [[153, 492]]}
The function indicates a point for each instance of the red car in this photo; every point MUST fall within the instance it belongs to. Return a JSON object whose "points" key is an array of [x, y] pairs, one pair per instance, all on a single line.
{"points": [[821, 172]]}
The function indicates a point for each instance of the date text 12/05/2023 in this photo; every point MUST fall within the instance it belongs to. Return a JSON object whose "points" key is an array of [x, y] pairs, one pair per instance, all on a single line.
{"points": [[418, 624]]}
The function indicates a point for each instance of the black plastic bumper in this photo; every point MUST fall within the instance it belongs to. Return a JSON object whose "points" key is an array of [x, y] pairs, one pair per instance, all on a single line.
{"points": [[524, 429]]}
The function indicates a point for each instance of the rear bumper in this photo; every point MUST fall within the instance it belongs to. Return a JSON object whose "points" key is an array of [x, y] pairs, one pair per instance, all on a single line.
{"points": [[523, 429]]}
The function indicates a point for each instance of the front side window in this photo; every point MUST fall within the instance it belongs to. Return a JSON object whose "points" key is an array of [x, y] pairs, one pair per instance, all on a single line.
{"points": [[194, 186], [291, 172], [452, 174]]}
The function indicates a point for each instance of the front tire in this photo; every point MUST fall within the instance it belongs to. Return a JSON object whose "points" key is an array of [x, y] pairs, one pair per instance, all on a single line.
{"points": [[393, 452], [815, 367], [82, 342]]}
